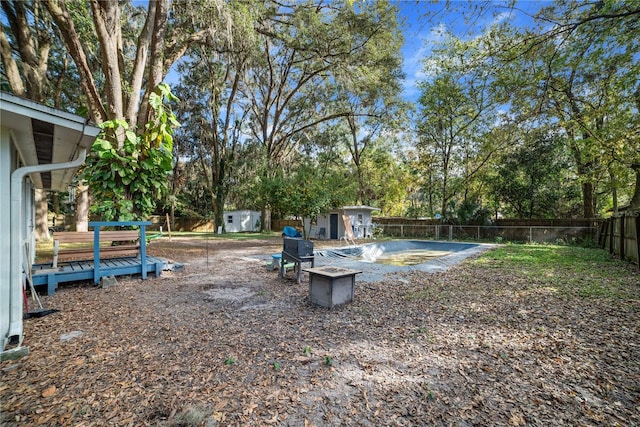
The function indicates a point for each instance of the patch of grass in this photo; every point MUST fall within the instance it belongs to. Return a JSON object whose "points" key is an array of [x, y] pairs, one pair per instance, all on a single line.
{"points": [[328, 361], [429, 395], [587, 272], [307, 350], [233, 236], [230, 361]]}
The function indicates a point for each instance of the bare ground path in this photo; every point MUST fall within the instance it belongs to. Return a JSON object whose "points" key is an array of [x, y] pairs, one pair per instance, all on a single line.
{"points": [[227, 343]]}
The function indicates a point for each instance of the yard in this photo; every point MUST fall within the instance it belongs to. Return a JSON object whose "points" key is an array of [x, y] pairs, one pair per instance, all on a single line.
{"points": [[522, 335]]}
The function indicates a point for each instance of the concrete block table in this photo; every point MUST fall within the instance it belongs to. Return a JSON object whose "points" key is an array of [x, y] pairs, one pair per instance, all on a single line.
{"points": [[330, 286]]}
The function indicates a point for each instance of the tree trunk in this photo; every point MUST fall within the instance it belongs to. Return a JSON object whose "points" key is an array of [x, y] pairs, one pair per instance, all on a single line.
{"points": [[62, 18], [156, 56], [41, 218], [265, 219], [587, 197], [55, 199], [82, 208], [106, 17], [140, 62], [635, 200], [10, 66], [218, 209]]}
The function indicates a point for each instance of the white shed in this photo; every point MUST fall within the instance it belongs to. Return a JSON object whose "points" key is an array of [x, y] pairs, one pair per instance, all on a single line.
{"points": [[332, 225], [241, 221], [40, 147]]}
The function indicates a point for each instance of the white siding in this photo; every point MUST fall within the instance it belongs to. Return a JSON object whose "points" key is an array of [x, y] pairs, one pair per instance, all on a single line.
{"points": [[5, 234], [241, 221]]}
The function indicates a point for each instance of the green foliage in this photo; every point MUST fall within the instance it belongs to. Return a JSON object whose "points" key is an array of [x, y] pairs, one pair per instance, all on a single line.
{"points": [[580, 76], [472, 212], [386, 179], [304, 191], [230, 361], [533, 179], [128, 171]]}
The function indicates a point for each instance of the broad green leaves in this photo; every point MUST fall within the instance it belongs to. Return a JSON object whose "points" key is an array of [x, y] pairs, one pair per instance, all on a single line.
{"points": [[127, 181]]}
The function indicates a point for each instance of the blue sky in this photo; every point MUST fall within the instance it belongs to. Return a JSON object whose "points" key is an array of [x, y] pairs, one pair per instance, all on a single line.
{"points": [[422, 21]]}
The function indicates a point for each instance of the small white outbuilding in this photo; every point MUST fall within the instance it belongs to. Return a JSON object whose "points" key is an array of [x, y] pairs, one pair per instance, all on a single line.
{"points": [[241, 221], [332, 224]]}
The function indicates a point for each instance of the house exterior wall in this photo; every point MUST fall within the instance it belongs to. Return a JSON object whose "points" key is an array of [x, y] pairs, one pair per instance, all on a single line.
{"points": [[240, 221], [9, 299], [6, 166], [21, 171]]}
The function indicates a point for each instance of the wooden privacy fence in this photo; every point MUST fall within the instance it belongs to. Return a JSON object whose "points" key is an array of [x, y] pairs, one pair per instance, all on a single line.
{"points": [[619, 235]]}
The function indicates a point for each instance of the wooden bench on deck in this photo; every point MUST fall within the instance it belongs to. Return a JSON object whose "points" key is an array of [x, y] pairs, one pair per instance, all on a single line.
{"points": [[122, 243]]}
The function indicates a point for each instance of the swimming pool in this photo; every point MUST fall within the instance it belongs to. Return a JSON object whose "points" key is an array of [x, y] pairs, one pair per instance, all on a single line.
{"points": [[377, 259]]}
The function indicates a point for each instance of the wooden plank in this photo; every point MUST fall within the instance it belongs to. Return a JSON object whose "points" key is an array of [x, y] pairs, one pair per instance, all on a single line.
{"points": [[103, 250], [601, 233], [88, 236], [611, 234], [621, 248], [638, 238]]}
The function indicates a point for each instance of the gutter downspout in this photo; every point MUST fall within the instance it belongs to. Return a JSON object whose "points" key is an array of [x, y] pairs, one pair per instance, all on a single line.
{"points": [[17, 242]]}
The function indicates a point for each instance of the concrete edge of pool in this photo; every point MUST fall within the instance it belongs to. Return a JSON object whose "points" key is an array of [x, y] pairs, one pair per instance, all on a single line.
{"points": [[375, 272]]}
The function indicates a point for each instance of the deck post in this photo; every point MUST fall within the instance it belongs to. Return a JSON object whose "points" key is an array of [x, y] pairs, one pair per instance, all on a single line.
{"points": [[96, 242], [143, 250], [52, 284], [96, 254]]}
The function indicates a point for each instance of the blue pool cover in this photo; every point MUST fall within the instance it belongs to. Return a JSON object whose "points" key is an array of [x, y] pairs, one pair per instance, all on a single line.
{"points": [[362, 257]]}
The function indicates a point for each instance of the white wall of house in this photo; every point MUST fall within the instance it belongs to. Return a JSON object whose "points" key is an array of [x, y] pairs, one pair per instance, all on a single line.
{"points": [[241, 221], [65, 136], [6, 166]]}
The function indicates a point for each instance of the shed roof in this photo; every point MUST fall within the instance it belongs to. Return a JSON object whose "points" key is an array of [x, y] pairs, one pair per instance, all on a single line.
{"points": [[44, 135], [362, 207]]}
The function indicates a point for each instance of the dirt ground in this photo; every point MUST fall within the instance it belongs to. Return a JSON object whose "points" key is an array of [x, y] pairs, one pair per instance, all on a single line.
{"points": [[226, 342]]}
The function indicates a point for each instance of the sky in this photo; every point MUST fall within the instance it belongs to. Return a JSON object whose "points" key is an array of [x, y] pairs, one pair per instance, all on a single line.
{"points": [[420, 31]]}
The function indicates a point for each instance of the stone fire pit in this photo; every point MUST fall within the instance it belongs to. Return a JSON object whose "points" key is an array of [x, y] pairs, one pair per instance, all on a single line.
{"points": [[330, 286]]}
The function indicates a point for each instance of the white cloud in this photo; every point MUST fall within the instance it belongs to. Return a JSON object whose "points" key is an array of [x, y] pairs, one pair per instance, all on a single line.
{"points": [[416, 53]]}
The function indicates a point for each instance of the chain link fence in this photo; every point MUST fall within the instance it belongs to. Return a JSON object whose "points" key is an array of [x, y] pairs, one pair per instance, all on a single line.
{"points": [[529, 234]]}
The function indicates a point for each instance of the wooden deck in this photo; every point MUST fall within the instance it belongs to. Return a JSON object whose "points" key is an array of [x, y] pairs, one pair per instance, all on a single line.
{"points": [[44, 274]]}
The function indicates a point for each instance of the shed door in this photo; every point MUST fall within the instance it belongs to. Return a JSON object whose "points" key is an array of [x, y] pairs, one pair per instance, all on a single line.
{"points": [[333, 226]]}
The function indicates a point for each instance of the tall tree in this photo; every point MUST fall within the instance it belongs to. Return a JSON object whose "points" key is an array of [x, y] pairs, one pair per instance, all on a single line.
{"points": [[304, 49], [34, 64], [137, 48], [579, 70], [458, 110], [369, 87], [213, 116]]}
